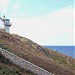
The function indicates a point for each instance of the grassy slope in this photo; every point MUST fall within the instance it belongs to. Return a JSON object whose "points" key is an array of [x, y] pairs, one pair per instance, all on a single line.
{"points": [[48, 59]]}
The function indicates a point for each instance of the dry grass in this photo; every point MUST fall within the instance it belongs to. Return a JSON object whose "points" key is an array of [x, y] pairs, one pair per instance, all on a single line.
{"points": [[54, 62]]}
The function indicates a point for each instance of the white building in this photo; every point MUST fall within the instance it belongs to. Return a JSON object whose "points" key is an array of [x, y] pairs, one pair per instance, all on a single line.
{"points": [[6, 23]]}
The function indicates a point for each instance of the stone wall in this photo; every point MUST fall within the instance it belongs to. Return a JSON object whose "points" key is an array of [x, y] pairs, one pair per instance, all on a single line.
{"points": [[23, 63]]}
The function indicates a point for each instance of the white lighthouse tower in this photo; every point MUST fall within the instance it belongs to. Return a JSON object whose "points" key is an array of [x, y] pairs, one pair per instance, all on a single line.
{"points": [[7, 24]]}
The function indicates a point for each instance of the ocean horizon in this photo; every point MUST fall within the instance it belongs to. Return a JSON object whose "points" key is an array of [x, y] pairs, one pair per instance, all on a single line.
{"points": [[67, 50]]}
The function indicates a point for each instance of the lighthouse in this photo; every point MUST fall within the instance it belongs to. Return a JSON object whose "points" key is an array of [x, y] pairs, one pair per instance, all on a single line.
{"points": [[7, 24]]}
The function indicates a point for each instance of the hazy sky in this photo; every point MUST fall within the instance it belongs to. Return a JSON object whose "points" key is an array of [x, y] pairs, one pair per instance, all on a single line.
{"points": [[47, 22]]}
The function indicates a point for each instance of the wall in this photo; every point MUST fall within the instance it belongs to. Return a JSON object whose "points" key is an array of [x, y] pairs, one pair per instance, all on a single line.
{"points": [[23, 63]]}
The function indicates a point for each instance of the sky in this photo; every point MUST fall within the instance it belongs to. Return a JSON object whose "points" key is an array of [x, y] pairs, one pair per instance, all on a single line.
{"points": [[46, 22]]}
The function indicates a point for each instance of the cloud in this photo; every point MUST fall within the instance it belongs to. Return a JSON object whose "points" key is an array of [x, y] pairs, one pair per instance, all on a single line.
{"points": [[56, 28], [3, 6], [16, 6], [16, 10]]}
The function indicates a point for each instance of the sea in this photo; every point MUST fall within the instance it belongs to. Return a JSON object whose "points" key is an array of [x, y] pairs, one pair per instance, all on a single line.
{"points": [[67, 50]]}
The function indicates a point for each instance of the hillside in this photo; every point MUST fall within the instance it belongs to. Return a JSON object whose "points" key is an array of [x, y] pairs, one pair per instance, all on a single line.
{"points": [[51, 61]]}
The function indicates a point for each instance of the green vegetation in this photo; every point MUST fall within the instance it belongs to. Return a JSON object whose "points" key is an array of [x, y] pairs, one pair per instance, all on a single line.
{"points": [[6, 68], [4, 47], [6, 71]]}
